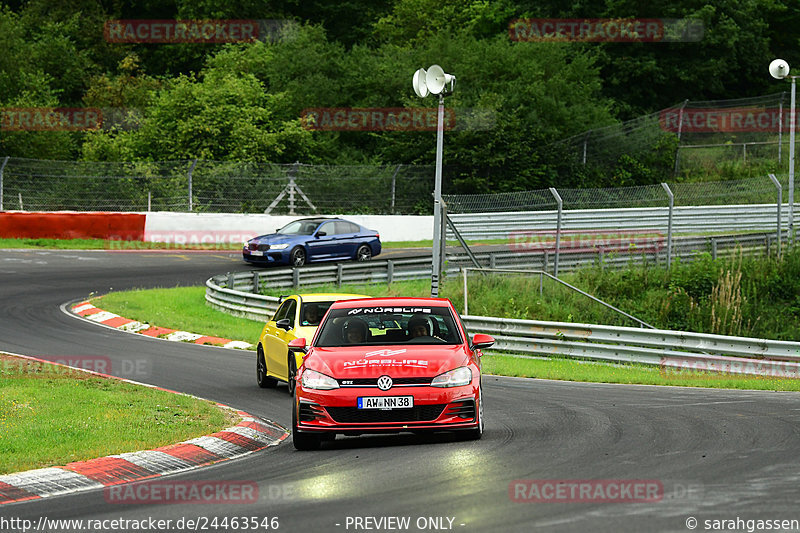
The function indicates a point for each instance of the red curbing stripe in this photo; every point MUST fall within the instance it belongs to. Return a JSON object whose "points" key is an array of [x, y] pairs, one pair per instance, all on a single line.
{"points": [[263, 428], [156, 331], [90, 311], [191, 453], [216, 341], [110, 470], [117, 321], [10, 493], [239, 440]]}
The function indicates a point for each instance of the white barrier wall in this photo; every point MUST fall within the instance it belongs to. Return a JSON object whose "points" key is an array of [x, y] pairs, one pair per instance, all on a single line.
{"points": [[235, 227]]}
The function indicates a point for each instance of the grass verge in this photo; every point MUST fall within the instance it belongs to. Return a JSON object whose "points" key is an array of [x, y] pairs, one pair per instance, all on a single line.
{"points": [[182, 308], [52, 415]]}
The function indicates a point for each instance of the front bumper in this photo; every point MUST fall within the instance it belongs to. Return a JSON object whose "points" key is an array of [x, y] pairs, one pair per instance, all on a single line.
{"points": [[268, 257], [434, 409]]}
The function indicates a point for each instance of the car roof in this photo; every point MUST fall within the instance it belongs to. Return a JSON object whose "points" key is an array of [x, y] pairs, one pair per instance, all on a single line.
{"points": [[328, 296], [394, 301]]}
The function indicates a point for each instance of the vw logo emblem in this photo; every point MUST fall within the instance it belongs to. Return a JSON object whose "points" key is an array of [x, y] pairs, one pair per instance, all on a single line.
{"points": [[384, 383]]}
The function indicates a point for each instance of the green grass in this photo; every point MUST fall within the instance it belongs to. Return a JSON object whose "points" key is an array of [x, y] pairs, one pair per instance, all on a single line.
{"points": [[182, 308], [576, 370], [52, 416]]}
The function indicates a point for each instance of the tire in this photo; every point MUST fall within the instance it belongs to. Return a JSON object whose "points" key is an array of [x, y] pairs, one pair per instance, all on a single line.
{"points": [[364, 253], [298, 257], [264, 381], [477, 433], [291, 367], [303, 441]]}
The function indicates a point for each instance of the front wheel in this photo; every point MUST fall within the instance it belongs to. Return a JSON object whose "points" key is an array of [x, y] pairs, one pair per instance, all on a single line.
{"points": [[303, 441], [264, 381], [298, 257], [364, 253]]}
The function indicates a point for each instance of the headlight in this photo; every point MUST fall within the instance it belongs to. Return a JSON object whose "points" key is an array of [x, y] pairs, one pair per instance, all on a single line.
{"points": [[316, 380], [278, 246], [455, 378]]}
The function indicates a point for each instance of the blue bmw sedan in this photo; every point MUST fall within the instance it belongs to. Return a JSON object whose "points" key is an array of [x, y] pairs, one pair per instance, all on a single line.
{"points": [[313, 239]]}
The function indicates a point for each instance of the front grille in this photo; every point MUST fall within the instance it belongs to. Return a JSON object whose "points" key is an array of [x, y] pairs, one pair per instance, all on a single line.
{"points": [[464, 409], [354, 415], [373, 382]]}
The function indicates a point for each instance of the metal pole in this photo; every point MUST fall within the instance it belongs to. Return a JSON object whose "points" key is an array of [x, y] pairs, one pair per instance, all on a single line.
{"points": [[291, 187], [394, 185], [780, 205], [680, 128], [2, 168], [780, 126], [437, 200], [194, 164], [669, 223], [558, 227], [791, 161]]}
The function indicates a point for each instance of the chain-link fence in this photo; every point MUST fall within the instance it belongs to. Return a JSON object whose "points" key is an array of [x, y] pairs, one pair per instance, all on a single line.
{"points": [[215, 186], [756, 191], [694, 136]]}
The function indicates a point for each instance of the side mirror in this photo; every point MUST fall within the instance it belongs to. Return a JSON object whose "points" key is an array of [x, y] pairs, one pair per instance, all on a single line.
{"points": [[321, 234], [481, 340], [284, 323], [297, 345]]}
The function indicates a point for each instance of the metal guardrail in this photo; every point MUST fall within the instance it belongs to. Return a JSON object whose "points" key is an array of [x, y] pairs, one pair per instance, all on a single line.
{"points": [[665, 348], [668, 349], [686, 219]]}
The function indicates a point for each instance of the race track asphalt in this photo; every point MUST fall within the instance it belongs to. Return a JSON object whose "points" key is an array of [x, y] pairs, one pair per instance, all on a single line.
{"points": [[714, 454]]}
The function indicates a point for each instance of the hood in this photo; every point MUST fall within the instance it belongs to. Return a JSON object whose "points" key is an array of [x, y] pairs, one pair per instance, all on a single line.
{"points": [[273, 238], [395, 361]]}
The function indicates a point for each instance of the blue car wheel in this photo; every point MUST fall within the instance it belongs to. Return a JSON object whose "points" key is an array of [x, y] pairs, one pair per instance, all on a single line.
{"points": [[298, 257]]}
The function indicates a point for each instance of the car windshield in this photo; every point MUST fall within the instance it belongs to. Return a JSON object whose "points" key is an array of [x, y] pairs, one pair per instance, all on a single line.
{"points": [[388, 325], [299, 227], [312, 313]]}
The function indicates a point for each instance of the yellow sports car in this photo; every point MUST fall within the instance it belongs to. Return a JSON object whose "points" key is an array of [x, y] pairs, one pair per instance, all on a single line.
{"points": [[297, 316]]}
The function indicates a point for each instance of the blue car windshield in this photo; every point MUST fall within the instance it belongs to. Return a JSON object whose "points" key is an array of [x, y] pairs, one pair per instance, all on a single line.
{"points": [[299, 227]]}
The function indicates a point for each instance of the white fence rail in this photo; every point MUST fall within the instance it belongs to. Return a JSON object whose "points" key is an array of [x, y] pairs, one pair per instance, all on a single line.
{"points": [[685, 220]]}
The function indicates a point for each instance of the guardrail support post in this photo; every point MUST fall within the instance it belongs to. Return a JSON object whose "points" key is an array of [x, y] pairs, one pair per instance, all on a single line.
{"points": [[256, 282], [558, 227], [339, 274], [295, 277], [231, 281], [780, 205], [389, 271], [669, 223], [713, 248]]}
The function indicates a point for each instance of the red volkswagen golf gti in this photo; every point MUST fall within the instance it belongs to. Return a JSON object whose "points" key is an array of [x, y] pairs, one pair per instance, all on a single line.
{"points": [[382, 365]]}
